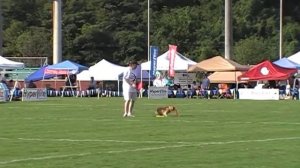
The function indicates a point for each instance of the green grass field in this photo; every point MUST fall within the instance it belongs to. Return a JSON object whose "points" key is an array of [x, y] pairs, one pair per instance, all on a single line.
{"points": [[91, 133]]}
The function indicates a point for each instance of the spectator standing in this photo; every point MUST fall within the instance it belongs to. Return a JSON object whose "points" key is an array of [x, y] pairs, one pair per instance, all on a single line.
{"points": [[205, 83]]}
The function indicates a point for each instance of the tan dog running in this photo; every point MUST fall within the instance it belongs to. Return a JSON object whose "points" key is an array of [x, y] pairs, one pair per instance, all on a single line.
{"points": [[164, 111]]}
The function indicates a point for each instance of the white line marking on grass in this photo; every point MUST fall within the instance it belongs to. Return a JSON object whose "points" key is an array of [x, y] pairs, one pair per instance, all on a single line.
{"points": [[94, 140], [236, 122], [86, 154], [59, 119], [247, 141], [43, 158], [292, 123], [73, 105], [144, 149]]}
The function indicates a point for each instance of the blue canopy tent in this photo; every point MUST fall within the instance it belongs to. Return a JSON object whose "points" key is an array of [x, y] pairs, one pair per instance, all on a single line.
{"points": [[286, 63], [65, 68], [39, 75]]}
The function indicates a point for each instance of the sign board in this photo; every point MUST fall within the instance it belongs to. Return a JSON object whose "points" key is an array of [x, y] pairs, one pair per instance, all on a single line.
{"points": [[34, 94], [158, 92], [4, 92], [259, 94], [184, 78]]}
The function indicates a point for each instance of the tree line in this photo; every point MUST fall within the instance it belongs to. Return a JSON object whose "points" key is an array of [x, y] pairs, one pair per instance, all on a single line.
{"points": [[117, 30]]}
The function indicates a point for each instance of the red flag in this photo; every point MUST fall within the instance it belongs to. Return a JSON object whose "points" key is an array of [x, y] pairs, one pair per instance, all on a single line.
{"points": [[172, 52]]}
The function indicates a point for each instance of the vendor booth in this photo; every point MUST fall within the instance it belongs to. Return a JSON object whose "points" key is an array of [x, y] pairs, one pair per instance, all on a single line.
{"points": [[224, 71], [103, 71], [6, 64], [68, 68], [181, 64], [217, 64], [265, 71]]}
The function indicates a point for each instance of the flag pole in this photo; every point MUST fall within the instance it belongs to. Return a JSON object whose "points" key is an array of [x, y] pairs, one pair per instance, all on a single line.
{"points": [[148, 46], [280, 34], [148, 32]]}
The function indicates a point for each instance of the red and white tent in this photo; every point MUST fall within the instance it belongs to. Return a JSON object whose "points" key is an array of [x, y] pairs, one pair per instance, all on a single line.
{"points": [[267, 71]]}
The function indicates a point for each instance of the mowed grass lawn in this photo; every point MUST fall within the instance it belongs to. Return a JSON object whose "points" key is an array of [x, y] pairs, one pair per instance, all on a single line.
{"points": [[91, 133]]}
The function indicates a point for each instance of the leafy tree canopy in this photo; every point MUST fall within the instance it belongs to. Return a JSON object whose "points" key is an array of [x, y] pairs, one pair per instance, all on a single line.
{"points": [[117, 30]]}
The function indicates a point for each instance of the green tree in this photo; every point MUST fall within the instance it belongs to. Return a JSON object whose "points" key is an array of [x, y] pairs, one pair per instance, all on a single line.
{"points": [[254, 50], [117, 30], [34, 42], [11, 34]]}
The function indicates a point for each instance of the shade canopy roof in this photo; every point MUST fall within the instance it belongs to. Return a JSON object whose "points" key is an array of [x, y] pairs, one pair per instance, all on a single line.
{"points": [[65, 68], [9, 64], [286, 63], [217, 63], [225, 77], [266, 70], [103, 71], [39, 75], [295, 57]]}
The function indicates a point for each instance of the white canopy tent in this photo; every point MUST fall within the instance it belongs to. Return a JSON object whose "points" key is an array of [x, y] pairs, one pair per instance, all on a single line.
{"points": [[102, 71], [9, 64], [181, 62], [295, 57]]}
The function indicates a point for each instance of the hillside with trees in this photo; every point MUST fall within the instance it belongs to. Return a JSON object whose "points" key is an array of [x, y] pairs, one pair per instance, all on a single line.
{"points": [[117, 30]]}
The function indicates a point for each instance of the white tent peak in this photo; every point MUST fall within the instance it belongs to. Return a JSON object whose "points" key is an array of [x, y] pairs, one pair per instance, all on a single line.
{"points": [[102, 71], [106, 63], [295, 57], [181, 62]]}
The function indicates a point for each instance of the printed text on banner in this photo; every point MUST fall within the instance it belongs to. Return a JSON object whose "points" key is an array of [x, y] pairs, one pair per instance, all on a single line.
{"points": [[153, 59]]}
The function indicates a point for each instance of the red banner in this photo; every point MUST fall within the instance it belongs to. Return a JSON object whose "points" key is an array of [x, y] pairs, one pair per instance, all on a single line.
{"points": [[172, 52], [57, 71]]}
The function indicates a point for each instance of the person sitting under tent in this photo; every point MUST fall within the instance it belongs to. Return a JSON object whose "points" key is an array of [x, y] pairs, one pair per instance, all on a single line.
{"points": [[91, 90], [158, 82], [92, 84], [224, 91], [70, 80], [31, 84], [3, 78], [10, 84]]}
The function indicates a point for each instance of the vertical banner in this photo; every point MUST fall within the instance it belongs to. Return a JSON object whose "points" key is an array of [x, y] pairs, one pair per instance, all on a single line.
{"points": [[153, 59], [172, 52]]}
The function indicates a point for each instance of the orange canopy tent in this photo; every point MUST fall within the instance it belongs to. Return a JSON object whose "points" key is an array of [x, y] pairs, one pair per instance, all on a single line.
{"points": [[218, 64], [225, 77]]}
